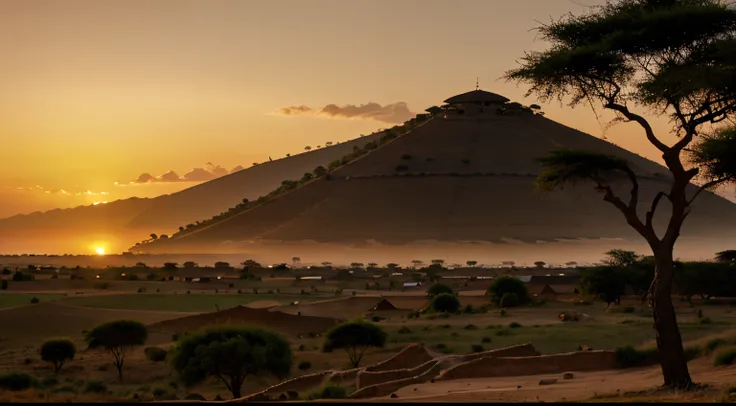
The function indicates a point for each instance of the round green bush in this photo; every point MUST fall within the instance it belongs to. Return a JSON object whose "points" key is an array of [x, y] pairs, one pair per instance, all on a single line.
{"points": [[438, 289], [155, 354], [445, 303], [507, 284]]}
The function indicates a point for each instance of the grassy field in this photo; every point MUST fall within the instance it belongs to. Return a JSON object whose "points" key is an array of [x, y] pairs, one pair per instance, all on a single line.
{"points": [[195, 302], [20, 299]]}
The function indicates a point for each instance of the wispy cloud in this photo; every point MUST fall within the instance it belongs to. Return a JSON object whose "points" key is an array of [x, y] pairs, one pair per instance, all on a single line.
{"points": [[394, 113]]}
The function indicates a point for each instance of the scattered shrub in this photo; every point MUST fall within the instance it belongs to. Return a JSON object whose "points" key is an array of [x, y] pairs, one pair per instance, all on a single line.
{"points": [[4, 285], [503, 332], [711, 345], [406, 157], [301, 347], [477, 348], [159, 392], [471, 327], [514, 324], [401, 168], [404, 330], [628, 356], [15, 381], [155, 354], [330, 391], [725, 356], [95, 387], [440, 346], [304, 365], [468, 309], [34, 300], [706, 320], [50, 381], [486, 340]]}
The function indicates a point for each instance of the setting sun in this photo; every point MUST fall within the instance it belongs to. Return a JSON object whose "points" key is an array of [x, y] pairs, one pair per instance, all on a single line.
{"points": [[100, 251]]}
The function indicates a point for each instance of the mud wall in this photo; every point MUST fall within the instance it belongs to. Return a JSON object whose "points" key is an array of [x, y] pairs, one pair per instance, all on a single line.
{"points": [[409, 357], [368, 378], [543, 364], [386, 388]]}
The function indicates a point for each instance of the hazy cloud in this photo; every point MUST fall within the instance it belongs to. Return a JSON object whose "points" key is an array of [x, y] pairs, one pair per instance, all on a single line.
{"points": [[394, 113]]}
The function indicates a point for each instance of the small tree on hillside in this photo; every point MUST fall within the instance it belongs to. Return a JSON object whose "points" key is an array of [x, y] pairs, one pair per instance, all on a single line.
{"points": [[438, 289], [672, 57], [355, 337], [190, 265], [416, 263], [472, 263], [231, 354], [438, 262], [507, 284], [117, 338], [540, 264], [434, 110], [57, 352]]}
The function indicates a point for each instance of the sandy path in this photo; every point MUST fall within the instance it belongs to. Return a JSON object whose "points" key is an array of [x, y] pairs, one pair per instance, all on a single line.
{"points": [[583, 387]]}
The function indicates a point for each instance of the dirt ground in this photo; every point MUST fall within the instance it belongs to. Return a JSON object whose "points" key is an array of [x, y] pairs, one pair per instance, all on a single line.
{"points": [[584, 386]]}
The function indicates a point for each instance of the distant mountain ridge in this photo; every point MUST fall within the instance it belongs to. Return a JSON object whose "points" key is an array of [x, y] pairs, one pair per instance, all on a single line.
{"points": [[449, 181], [134, 218]]}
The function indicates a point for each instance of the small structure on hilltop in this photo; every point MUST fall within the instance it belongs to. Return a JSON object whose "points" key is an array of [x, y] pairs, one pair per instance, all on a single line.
{"points": [[474, 103], [383, 305], [542, 291]]}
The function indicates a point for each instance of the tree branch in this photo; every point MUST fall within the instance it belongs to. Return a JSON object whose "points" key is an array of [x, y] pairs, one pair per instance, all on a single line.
{"points": [[642, 122], [708, 185]]}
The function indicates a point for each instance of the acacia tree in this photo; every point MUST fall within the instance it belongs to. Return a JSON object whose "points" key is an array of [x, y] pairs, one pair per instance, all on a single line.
{"points": [[355, 337], [117, 338], [672, 57]]}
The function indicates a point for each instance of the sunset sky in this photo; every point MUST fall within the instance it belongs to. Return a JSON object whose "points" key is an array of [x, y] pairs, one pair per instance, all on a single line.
{"points": [[97, 92]]}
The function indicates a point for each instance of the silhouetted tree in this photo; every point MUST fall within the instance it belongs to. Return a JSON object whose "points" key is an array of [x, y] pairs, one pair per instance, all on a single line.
{"points": [[438, 262], [117, 338], [416, 263], [438, 289], [372, 265], [307, 148], [190, 264], [508, 285], [231, 354], [355, 337], [57, 351], [620, 258], [643, 52], [181, 228], [472, 263], [154, 237], [170, 266], [606, 283], [328, 144], [540, 264], [726, 256]]}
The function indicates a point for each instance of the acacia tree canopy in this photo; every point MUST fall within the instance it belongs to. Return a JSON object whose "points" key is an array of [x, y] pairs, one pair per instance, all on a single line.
{"points": [[675, 57], [355, 337], [231, 354]]}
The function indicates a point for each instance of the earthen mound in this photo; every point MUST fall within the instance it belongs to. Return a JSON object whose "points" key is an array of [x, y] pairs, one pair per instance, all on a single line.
{"points": [[284, 323], [352, 307]]}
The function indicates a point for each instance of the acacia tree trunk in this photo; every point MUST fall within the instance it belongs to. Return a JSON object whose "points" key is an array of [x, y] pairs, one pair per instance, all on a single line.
{"points": [[669, 342]]}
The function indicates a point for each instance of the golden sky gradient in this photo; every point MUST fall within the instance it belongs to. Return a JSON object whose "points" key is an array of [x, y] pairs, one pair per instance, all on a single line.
{"points": [[95, 92]]}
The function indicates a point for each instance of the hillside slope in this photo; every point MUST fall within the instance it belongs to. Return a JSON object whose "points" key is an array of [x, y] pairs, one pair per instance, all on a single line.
{"points": [[123, 222], [453, 180]]}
